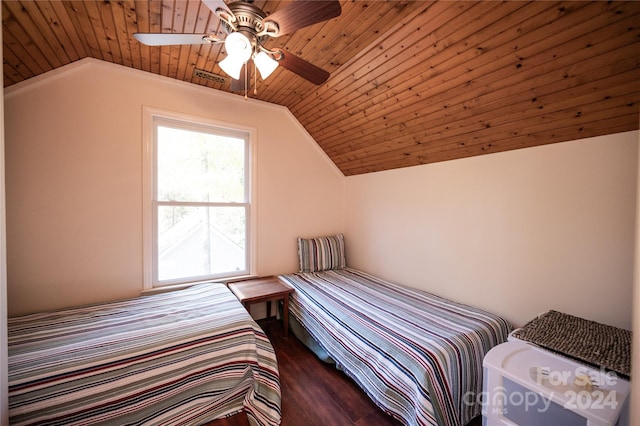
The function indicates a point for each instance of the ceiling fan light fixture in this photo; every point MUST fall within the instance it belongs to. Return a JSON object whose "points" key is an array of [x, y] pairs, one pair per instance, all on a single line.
{"points": [[265, 64], [232, 66]]}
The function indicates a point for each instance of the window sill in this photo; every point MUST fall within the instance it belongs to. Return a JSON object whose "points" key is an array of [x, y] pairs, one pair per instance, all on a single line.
{"points": [[172, 287]]}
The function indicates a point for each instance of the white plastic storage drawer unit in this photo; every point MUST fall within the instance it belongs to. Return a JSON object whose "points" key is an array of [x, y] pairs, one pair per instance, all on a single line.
{"points": [[526, 385]]}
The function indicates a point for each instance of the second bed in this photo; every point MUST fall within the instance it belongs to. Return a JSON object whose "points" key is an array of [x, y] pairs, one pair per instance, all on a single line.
{"points": [[418, 356]]}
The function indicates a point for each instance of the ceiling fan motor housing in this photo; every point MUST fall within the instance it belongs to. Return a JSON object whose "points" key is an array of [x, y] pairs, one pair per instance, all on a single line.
{"points": [[249, 21]]}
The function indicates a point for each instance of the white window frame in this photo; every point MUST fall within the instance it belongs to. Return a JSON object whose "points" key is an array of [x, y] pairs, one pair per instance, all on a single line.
{"points": [[149, 116]]}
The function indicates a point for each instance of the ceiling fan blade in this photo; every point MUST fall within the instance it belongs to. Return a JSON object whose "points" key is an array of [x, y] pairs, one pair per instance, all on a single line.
{"points": [[303, 13], [220, 8], [304, 69], [164, 39], [216, 6], [243, 83]]}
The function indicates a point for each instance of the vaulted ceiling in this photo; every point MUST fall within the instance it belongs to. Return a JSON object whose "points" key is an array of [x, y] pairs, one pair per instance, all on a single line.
{"points": [[412, 82]]}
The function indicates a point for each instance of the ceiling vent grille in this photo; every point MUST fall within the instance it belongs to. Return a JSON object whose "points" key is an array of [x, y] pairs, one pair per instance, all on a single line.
{"points": [[209, 76]]}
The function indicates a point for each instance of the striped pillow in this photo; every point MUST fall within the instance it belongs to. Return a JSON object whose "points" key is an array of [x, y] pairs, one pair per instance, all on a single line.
{"points": [[321, 254]]}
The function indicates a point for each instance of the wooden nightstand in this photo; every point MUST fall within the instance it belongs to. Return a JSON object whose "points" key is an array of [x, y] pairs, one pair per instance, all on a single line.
{"points": [[264, 289]]}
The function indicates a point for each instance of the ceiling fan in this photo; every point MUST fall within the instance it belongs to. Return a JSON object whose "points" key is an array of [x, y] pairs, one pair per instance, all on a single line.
{"points": [[247, 28]]}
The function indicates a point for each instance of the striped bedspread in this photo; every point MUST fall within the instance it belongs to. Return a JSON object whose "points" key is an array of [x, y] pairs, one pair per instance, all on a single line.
{"points": [[183, 357], [418, 356]]}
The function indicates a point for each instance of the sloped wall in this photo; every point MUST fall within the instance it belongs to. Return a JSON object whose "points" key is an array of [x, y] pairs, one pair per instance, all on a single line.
{"points": [[518, 232], [74, 181]]}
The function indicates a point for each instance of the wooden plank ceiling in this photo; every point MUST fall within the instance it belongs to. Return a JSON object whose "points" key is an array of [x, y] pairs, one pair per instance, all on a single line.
{"points": [[412, 82]]}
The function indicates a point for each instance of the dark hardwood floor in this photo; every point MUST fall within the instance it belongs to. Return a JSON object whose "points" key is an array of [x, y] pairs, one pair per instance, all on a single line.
{"points": [[315, 393]]}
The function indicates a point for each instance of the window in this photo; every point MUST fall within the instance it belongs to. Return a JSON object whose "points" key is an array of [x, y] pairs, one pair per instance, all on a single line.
{"points": [[198, 201]]}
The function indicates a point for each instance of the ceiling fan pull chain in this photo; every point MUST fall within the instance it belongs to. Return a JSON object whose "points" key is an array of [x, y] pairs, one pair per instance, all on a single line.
{"points": [[246, 81], [255, 79]]}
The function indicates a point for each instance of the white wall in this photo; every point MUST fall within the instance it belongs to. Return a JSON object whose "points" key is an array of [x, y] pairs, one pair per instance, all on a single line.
{"points": [[518, 233], [74, 181]]}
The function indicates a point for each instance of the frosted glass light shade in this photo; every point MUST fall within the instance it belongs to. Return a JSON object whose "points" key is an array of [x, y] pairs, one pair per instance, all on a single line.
{"points": [[232, 66], [265, 64], [238, 46]]}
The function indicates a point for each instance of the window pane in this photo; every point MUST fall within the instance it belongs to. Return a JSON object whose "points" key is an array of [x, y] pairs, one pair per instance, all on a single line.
{"points": [[198, 241], [199, 167]]}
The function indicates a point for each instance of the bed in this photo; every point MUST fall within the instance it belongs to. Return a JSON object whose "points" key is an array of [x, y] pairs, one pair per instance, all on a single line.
{"points": [[418, 356], [182, 357]]}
